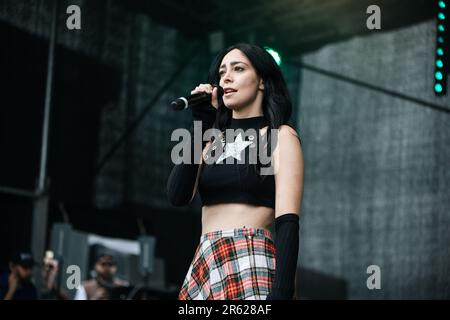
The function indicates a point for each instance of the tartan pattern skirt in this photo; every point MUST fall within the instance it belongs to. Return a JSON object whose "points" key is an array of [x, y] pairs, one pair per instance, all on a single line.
{"points": [[237, 264]]}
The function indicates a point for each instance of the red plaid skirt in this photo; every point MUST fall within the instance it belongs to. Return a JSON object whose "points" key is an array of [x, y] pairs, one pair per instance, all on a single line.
{"points": [[236, 264]]}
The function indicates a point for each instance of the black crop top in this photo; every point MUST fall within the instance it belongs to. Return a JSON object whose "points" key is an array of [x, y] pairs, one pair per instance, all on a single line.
{"points": [[239, 182]]}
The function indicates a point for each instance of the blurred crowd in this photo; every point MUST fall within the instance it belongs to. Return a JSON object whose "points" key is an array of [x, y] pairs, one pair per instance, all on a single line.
{"points": [[17, 282]]}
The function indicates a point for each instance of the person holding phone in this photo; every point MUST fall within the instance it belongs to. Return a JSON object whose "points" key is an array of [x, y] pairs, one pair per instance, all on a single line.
{"points": [[16, 284]]}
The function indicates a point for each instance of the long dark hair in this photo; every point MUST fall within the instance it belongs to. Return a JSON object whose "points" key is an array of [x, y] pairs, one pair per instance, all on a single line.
{"points": [[277, 106]]}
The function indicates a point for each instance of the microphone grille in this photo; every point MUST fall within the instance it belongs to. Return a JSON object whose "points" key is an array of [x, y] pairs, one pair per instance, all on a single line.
{"points": [[179, 104]]}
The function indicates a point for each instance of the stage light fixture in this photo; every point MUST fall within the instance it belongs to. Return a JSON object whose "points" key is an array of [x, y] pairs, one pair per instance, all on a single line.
{"points": [[441, 59], [274, 54]]}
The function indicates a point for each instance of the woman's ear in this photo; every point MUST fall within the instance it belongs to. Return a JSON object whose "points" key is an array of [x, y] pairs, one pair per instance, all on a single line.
{"points": [[261, 84]]}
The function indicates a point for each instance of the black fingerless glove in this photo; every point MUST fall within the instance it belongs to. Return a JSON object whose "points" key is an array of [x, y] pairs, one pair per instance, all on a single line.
{"points": [[205, 113], [286, 244], [181, 182]]}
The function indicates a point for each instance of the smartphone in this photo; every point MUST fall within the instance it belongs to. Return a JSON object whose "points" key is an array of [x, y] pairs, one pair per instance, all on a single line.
{"points": [[49, 254]]}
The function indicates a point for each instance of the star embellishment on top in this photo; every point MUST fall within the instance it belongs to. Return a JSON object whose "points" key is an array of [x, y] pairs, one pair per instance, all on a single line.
{"points": [[234, 149]]}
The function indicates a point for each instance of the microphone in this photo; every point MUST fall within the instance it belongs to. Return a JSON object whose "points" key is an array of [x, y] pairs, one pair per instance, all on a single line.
{"points": [[182, 103]]}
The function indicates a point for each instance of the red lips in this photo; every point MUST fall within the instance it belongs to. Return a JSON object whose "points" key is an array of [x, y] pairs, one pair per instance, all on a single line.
{"points": [[228, 90]]}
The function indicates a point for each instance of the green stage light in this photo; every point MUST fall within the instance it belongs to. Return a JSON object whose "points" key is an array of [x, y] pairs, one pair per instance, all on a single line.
{"points": [[276, 56], [438, 87], [441, 60]]}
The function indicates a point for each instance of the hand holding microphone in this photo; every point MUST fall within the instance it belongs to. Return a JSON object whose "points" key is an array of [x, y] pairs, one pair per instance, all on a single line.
{"points": [[203, 93], [212, 91], [203, 103]]}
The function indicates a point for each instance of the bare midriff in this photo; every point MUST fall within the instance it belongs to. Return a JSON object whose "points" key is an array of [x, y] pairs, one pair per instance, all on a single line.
{"points": [[226, 216]]}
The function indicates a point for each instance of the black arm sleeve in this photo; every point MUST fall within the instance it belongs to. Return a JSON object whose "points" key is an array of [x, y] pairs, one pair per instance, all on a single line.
{"points": [[181, 182], [287, 244]]}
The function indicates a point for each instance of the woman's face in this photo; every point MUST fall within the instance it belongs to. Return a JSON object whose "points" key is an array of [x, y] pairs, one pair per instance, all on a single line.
{"points": [[242, 85]]}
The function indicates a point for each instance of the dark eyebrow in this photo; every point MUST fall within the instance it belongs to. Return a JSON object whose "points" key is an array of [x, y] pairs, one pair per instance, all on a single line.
{"points": [[232, 63]]}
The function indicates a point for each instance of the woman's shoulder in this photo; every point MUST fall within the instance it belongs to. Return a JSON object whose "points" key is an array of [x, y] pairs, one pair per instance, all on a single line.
{"points": [[288, 133], [285, 129]]}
